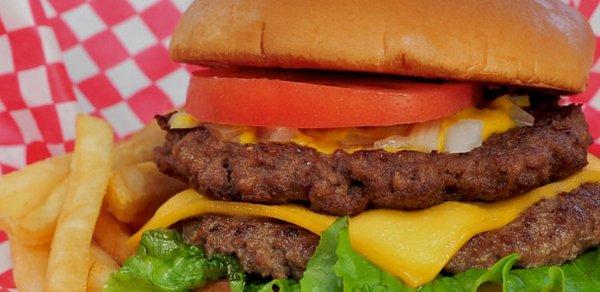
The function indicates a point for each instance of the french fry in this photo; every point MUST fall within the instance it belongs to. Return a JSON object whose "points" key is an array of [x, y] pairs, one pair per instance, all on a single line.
{"points": [[593, 161], [111, 235], [102, 266], [29, 264], [38, 223], [38, 226], [138, 148], [135, 192], [69, 263], [22, 191]]}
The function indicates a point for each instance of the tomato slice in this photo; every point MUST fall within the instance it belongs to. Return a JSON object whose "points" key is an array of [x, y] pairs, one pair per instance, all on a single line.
{"points": [[300, 99]]}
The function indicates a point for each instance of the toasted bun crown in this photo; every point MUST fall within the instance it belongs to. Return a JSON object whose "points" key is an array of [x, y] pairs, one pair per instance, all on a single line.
{"points": [[537, 43]]}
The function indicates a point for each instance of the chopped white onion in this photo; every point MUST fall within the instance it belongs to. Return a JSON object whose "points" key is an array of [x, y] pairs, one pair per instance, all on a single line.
{"points": [[366, 136], [393, 142], [520, 100], [464, 136], [224, 132], [425, 135], [521, 117], [279, 134], [422, 137]]}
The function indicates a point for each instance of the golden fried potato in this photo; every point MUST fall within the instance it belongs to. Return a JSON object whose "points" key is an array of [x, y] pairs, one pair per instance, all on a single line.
{"points": [[69, 263], [22, 191], [138, 148], [135, 192], [111, 235], [101, 268], [40, 208], [593, 161], [29, 264], [38, 225]]}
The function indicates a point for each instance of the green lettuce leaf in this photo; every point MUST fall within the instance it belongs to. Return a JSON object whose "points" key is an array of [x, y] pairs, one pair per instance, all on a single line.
{"points": [[358, 274], [319, 274], [283, 285], [163, 262]]}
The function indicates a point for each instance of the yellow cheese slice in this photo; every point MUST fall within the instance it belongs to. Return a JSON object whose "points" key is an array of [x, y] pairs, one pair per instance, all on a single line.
{"points": [[495, 119], [414, 246]]}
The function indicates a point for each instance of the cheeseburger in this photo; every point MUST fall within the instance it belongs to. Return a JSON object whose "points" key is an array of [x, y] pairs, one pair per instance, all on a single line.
{"points": [[378, 145]]}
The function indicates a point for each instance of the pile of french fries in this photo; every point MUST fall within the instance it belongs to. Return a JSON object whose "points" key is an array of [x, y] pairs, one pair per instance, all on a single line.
{"points": [[69, 216]]}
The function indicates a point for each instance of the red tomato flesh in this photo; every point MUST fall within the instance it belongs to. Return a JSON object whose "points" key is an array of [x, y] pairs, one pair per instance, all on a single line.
{"points": [[299, 99]]}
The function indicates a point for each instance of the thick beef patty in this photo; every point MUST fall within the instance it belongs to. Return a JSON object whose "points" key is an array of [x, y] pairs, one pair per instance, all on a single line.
{"points": [[551, 232], [263, 246], [507, 165]]}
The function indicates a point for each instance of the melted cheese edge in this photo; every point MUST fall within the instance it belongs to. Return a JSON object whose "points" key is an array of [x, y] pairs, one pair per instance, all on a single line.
{"points": [[495, 119], [413, 245]]}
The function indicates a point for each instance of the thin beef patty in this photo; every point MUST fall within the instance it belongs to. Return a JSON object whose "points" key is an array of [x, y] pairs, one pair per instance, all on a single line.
{"points": [[506, 165], [551, 232]]}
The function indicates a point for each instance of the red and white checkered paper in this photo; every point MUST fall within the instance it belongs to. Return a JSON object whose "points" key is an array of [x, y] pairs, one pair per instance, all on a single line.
{"points": [[109, 58], [61, 57]]}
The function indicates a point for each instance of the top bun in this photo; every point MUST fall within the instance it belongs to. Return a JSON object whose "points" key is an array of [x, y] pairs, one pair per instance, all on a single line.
{"points": [[534, 43]]}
